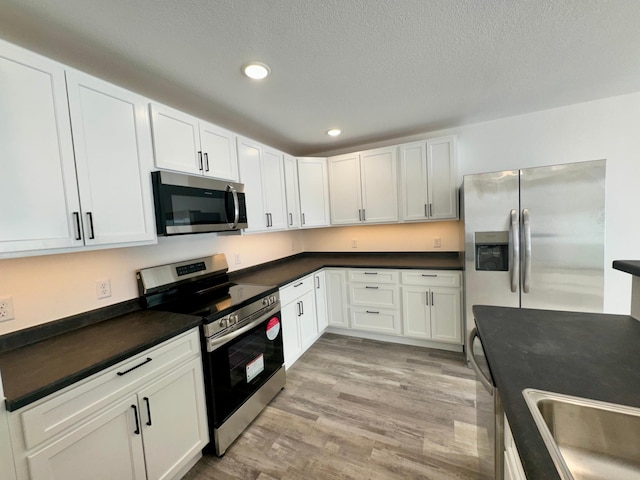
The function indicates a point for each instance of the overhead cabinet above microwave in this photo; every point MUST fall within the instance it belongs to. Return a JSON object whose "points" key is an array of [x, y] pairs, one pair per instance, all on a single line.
{"points": [[186, 144], [52, 198]]}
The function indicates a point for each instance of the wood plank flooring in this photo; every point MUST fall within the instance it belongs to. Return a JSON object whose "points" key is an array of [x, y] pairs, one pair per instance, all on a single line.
{"points": [[361, 409]]}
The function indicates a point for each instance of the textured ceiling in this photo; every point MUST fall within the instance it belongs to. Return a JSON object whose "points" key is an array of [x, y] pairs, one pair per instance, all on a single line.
{"points": [[377, 69]]}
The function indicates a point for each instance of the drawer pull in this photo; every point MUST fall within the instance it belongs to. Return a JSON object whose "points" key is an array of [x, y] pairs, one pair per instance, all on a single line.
{"points": [[426, 275], [133, 368], [370, 273], [135, 414], [298, 284], [373, 311], [374, 288], [146, 399]]}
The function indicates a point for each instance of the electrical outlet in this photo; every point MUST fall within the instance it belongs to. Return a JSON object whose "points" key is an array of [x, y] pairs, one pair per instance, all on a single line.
{"points": [[103, 288], [437, 243], [6, 309], [354, 243], [236, 258]]}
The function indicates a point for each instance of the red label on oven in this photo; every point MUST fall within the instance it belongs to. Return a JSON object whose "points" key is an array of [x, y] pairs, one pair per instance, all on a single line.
{"points": [[273, 328]]}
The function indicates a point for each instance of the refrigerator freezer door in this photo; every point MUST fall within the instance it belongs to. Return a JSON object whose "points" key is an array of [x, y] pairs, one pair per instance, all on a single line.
{"points": [[489, 199], [562, 228]]}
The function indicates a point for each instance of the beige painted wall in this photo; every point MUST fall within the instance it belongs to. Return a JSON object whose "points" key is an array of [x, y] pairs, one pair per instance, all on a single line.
{"points": [[409, 237]]}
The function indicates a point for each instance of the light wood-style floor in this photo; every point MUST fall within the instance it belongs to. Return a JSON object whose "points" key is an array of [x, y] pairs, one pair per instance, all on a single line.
{"points": [[360, 409]]}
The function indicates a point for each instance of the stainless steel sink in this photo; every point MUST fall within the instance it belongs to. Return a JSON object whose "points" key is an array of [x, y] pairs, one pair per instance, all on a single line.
{"points": [[587, 439]]}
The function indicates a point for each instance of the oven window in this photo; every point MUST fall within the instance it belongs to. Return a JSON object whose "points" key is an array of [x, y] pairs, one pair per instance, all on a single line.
{"points": [[239, 368]]}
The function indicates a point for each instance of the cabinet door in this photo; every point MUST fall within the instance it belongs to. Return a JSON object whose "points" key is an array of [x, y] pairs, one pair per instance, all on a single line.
{"points": [[416, 314], [273, 185], [314, 191], [320, 285], [291, 188], [38, 190], [173, 416], [250, 163], [337, 298], [413, 181], [112, 141], [446, 320], [176, 140], [290, 333], [379, 174], [307, 321], [219, 156], [344, 189], [441, 164], [104, 448]]}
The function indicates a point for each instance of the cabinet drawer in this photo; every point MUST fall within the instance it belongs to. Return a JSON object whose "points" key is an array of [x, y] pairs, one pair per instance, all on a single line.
{"points": [[57, 412], [374, 320], [383, 296], [293, 290], [436, 278], [373, 276]]}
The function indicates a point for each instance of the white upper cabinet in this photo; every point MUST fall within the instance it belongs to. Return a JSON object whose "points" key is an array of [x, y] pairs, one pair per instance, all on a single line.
{"points": [[38, 189], [103, 196], [364, 187], [428, 180], [185, 144], [262, 172], [112, 141], [313, 182], [291, 188]]}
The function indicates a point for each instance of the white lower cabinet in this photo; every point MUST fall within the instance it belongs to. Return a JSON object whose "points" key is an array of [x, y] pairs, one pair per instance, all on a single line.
{"points": [[320, 284], [374, 301], [299, 323], [432, 313], [337, 298], [140, 419], [513, 469]]}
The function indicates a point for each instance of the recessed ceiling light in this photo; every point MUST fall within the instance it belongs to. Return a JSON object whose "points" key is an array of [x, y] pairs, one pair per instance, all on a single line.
{"points": [[256, 70], [334, 132]]}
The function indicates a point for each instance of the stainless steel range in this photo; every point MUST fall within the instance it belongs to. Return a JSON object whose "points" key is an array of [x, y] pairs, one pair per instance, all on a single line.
{"points": [[243, 357]]}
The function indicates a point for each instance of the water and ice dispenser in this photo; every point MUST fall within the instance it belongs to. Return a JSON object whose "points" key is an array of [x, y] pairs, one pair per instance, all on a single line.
{"points": [[492, 251]]}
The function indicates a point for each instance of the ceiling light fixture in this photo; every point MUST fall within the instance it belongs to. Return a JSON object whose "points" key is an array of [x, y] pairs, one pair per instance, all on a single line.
{"points": [[334, 132], [256, 70]]}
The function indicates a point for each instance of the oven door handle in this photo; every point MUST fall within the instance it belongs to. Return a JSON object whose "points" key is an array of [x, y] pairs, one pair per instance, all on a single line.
{"points": [[214, 343], [486, 383]]}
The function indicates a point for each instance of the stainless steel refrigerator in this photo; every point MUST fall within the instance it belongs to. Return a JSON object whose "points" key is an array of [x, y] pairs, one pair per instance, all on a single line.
{"points": [[534, 238]]}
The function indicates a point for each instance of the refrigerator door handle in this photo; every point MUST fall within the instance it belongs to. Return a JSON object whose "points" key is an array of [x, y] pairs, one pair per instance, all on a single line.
{"points": [[514, 233], [526, 282]]}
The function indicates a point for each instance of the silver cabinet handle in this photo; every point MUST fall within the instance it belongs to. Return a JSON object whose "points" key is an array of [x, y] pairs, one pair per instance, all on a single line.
{"points": [[199, 160], [373, 288], [514, 241], [304, 221], [370, 273], [432, 300], [526, 283], [318, 283], [298, 284], [236, 206], [430, 210], [364, 215], [427, 295], [206, 162], [372, 311], [290, 219], [429, 275], [360, 214], [486, 382], [426, 212], [301, 307]]}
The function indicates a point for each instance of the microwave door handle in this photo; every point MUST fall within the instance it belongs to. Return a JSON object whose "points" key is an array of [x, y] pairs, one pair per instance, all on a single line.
{"points": [[236, 206]]}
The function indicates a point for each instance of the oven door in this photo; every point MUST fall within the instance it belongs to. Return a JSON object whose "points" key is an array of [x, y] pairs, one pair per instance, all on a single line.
{"points": [[238, 364]]}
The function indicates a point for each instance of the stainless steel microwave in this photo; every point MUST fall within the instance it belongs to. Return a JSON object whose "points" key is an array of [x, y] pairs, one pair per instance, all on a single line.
{"points": [[193, 204]]}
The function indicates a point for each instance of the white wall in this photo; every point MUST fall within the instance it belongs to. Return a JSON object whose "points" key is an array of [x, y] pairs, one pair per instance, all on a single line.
{"points": [[50, 287]]}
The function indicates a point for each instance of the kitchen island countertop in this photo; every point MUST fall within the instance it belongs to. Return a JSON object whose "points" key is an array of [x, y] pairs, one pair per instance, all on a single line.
{"points": [[581, 354]]}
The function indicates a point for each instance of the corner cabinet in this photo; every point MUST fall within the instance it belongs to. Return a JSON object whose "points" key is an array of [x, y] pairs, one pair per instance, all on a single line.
{"points": [[99, 196], [137, 420], [186, 144], [364, 187], [428, 180], [262, 172]]}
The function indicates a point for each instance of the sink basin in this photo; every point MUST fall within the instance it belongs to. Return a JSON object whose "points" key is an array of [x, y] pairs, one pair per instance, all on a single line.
{"points": [[587, 439]]}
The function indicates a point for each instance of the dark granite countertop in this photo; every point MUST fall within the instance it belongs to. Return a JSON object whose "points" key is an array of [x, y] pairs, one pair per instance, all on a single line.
{"points": [[281, 272], [582, 354], [627, 266], [34, 371]]}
